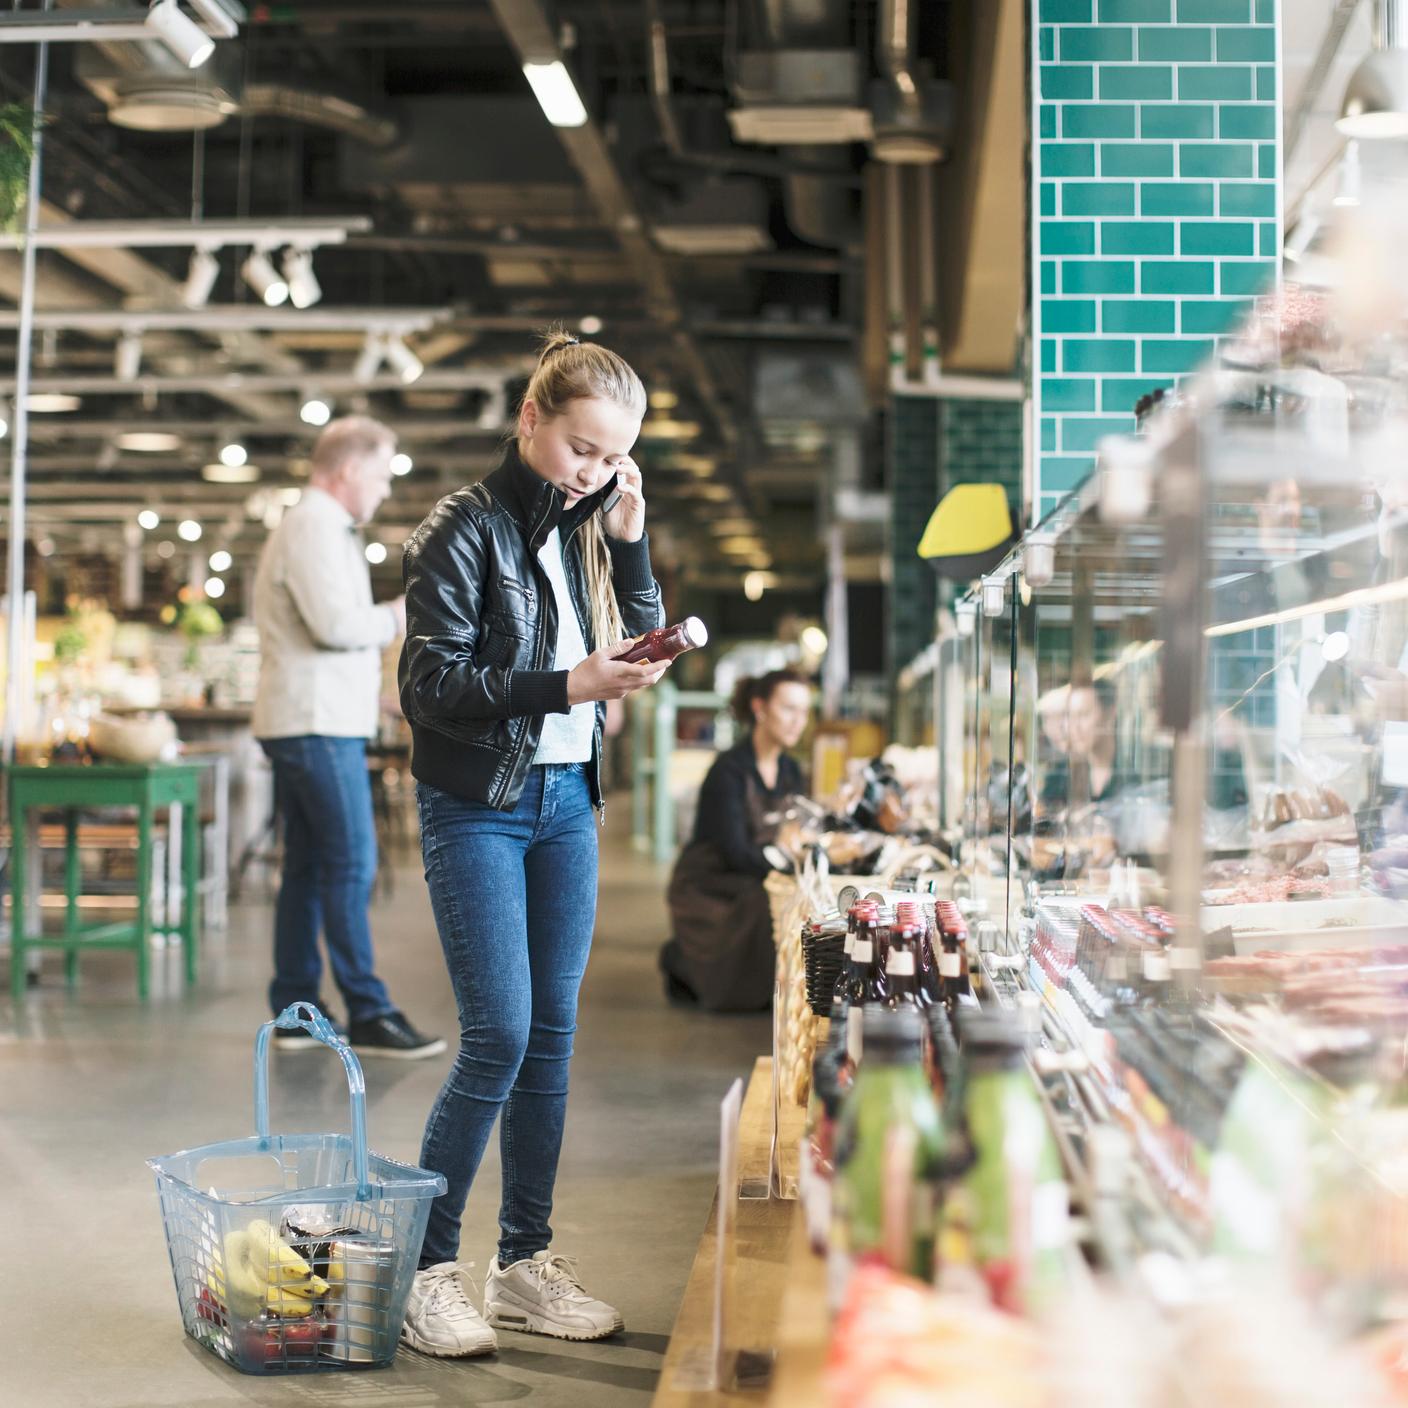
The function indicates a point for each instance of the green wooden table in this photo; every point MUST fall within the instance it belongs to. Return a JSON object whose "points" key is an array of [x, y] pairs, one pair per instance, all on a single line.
{"points": [[144, 787]]}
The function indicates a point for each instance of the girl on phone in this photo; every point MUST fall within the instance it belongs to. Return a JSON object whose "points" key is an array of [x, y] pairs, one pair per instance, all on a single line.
{"points": [[519, 592]]}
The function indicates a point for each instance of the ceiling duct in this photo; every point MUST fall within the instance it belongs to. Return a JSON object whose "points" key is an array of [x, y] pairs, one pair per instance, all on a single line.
{"points": [[797, 83], [718, 215], [911, 112]]}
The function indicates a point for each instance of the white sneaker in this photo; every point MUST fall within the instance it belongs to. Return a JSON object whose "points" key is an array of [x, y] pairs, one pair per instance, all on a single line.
{"points": [[440, 1319], [544, 1297]]}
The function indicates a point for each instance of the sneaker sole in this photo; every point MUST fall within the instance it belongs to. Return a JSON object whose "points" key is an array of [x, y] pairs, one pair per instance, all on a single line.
{"points": [[526, 1323], [411, 1340], [416, 1053]]}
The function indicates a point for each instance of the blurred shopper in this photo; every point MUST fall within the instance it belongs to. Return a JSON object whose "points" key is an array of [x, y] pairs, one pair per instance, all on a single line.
{"points": [[721, 955], [518, 593], [320, 643]]}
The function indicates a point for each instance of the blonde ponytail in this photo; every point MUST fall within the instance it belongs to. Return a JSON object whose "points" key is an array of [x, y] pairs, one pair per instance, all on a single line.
{"points": [[569, 370]]}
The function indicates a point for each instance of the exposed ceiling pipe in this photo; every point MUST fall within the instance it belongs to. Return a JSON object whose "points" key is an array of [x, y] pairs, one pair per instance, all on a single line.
{"points": [[533, 38], [338, 114]]}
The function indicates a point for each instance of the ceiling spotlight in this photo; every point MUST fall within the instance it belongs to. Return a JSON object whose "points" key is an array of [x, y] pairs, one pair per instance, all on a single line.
{"points": [[127, 358], [234, 454], [55, 402], [376, 553], [149, 518], [188, 530], [556, 93], [149, 442], [754, 585], [259, 273], [369, 358], [166, 549], [214, 587], [183, 36], [814, 640], [590, 325], [220, 560], [200, 278], [315, 412], [663, 399], [404, 362], [401, 464], [304, 290]]}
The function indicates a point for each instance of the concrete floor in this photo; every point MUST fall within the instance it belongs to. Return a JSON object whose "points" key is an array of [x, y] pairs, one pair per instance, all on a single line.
{"points": [[92, 1083]]}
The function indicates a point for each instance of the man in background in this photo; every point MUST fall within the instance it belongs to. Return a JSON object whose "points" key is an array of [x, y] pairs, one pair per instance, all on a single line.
{"points": [[320, 640]]}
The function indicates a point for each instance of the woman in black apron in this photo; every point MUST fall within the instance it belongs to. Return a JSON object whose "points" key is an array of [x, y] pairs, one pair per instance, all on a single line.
{"points": [[721, 955]]}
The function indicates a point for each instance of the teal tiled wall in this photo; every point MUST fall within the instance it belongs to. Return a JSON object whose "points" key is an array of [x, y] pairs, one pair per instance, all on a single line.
{"points": [[1155, 204]]}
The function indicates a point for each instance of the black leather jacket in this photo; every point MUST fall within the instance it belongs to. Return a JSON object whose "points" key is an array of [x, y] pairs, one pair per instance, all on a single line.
{"points": [[481, 629]]}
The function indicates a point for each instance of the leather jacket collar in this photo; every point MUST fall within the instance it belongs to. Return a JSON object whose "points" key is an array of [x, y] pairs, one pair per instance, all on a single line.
{"points": [[537, 506]]}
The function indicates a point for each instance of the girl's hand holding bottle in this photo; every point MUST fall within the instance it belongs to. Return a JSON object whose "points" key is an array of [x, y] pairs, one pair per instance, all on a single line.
{"points": [[602, 676]]}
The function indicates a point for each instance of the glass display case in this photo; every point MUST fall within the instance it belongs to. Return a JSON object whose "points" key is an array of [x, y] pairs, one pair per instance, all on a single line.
{"points": [[1186, 739]]}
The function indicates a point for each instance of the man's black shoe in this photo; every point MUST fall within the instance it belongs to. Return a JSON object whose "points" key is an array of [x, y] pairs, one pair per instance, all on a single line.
{"points": [[392, 1035]]}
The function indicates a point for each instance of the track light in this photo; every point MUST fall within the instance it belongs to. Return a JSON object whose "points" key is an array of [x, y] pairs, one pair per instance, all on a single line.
{"points": [[183, 36], [369, 358], [127, 359], [260, 274], [304, 290], [200, 278], [315, 411], [404, 362]]}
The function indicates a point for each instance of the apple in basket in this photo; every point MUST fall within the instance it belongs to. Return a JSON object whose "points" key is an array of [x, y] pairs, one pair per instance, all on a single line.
{"points": [[270, 1340]]}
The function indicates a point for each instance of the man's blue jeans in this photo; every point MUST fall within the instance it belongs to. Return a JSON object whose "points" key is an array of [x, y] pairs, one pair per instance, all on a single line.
{"points": [[325, 797], [514, 895]]}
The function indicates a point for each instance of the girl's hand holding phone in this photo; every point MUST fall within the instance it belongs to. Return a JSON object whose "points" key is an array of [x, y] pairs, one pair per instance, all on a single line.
{"points": [[626, 520], [602, 676]]}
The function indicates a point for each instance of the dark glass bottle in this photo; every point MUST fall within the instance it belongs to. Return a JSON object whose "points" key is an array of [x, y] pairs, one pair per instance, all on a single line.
{"points": [[666, 642], [867, 987], [902, 967]]}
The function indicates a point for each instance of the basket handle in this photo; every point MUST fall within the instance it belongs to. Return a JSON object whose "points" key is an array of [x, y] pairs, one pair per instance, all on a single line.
{"points": [[305, 1015]]}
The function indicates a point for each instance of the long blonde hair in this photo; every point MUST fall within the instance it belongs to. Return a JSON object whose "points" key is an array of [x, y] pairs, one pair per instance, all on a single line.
{"points": [[569, 370]]}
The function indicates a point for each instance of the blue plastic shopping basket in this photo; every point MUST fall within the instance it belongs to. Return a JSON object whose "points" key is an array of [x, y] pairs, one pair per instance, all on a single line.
{"points": [[294, 1253]]}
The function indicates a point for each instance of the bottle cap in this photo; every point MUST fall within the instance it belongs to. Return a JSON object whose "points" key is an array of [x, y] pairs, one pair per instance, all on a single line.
{"points": [[695, 632], [891, 1029]]}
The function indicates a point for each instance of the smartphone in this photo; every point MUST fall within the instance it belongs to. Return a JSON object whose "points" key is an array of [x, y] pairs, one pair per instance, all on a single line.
{"points": [[613, 498]]}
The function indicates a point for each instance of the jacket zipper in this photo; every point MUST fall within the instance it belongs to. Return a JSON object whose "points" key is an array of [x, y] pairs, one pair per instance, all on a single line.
{"points": [[597, 740], [534, 566]]}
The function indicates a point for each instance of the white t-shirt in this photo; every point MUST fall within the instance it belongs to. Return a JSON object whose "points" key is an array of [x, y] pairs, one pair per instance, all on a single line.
{"points": [[566, 738]]}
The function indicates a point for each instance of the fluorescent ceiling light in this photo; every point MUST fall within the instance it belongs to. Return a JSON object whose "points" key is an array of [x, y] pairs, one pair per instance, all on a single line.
{"points": [[188, 530], [51, 402], [315, 411], [667, 428], [229, 473], [404, 362], [183, 36], [149, 442], [260, 274], [200, 278], [304, 290], [556, 93]]}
